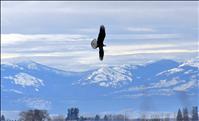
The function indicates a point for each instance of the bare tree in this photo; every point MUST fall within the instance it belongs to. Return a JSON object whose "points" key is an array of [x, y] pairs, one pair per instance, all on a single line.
{"points": [[34, 115]]}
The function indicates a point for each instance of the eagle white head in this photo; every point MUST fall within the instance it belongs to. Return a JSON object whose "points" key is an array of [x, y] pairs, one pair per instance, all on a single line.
{"points": [[94, 43]]}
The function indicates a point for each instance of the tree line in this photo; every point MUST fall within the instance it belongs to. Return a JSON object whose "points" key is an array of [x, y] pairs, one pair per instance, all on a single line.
{"points": [[184, 115], [73, 115]]}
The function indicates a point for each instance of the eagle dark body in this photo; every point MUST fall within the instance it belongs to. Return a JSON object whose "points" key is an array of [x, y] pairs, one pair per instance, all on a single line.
{"points": [[101, 36], [100, 41]]}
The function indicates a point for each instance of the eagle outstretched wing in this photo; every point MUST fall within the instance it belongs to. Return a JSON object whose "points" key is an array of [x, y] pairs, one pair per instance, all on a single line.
{"points": [[101, 36], [101, 53]]}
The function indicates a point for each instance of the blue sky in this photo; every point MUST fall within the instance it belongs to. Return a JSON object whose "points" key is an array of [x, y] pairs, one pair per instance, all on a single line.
{"points": [[58, 34]]}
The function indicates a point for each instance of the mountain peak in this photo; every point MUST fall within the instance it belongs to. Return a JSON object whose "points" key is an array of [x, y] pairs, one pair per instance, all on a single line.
{"points": [[114, 76]]}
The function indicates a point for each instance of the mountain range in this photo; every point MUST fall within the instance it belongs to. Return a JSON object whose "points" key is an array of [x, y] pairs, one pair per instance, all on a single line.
{"points": [[149, 87]]}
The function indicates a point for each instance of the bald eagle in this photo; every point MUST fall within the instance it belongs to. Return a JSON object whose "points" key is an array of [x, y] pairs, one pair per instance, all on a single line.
{"points": [[99, 43]]}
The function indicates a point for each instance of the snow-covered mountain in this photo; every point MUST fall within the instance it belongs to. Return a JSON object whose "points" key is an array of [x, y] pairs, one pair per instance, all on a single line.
{"points": [[109, 77], [28, 84]]}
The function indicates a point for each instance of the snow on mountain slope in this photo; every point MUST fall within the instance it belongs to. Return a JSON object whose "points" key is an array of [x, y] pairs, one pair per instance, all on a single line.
{"points": [[29, 75], [109, 77], [181, 78], [39, 84], [25, 79], [194, 62], [187, 67]]}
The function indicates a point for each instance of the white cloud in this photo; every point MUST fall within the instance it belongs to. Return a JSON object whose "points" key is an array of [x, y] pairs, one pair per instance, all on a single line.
{"points": [[9, 55], [12, 90], [62, 31], [153, 50], [146, 36], [19, 38], [60, 45], [89, 30], [136, 29]]}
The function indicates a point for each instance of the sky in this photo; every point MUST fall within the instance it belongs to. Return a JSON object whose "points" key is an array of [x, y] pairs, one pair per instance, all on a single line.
{"points": [[58, 33]]}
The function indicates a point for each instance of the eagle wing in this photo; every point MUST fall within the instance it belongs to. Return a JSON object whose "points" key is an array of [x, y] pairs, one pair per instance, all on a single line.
{"points": [[101, 36], [101, 53]]}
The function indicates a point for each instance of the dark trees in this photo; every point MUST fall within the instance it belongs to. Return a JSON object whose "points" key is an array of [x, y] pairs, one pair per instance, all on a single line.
{"points": [[73, 114], [185, 114], [34, 115], [3, 118], [97, 118], [179, 115], [195, 113], [105, 118]]}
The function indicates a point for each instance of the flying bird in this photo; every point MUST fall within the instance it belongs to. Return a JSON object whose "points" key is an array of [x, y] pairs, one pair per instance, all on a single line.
{"points": [[99, 43]]}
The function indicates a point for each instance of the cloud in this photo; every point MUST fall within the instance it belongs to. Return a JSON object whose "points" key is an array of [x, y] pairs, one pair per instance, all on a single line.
{"points": [[146, 36], [89, 30], [7, 39], [20, 38], [12, 90], [51, 45], [9, 55], [65, 16], [136, 29], [151, 52], [75, 51], [62, 31]]}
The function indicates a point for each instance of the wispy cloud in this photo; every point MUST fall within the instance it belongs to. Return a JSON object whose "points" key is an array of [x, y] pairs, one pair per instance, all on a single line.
{"points": [[20, 38], [146, 36], [45, 47], [62, 31], [12, 90], [141, 29]]}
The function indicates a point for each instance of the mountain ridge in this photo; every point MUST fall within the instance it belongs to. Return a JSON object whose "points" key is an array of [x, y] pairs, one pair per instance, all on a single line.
{"points": [[120, 84]]}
